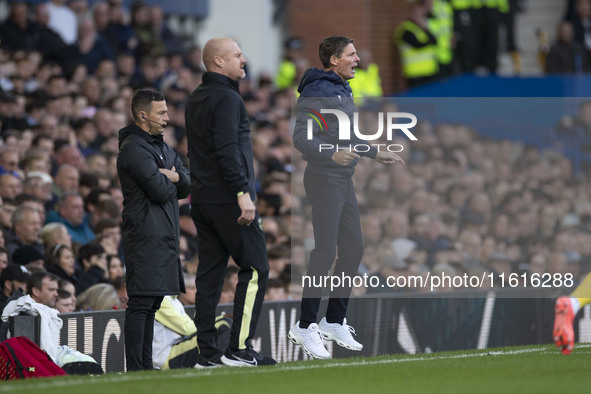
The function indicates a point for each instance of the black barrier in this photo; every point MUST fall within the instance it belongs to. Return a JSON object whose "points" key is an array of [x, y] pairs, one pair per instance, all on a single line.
{"points": [[387, 325]]}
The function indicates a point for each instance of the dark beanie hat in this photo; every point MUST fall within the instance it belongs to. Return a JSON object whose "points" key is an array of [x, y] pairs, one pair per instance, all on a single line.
{"points": [[26, 254]]}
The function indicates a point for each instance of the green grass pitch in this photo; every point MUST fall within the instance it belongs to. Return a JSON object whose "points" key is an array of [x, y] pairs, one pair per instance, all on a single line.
{"points": [[524, 369]]}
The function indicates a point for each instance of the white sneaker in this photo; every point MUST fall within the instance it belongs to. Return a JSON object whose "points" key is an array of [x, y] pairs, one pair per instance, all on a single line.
{"points": [[341, 334], [309, 339]]}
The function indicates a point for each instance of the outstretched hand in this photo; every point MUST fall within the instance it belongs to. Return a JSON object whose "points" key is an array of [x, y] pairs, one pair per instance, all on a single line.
{"points": [[388, 158]]}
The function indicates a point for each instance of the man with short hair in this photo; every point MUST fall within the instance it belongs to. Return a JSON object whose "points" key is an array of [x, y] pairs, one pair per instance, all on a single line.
{"points": [[222, 194], [93, 260], [67, 179], [42, 287], [38, 184], [70, 212], [329, 187], [26, 225], [10, 186], [153, 179]]}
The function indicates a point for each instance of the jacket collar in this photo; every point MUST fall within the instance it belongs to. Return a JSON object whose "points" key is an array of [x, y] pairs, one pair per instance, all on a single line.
{"points": [[210, 77], [135, 129]]}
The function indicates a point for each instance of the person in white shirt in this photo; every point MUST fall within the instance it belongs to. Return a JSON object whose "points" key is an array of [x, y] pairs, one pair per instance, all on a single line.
{"points": [[63, 21]]}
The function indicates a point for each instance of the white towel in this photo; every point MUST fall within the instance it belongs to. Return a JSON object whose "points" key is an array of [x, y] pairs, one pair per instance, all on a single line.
{"points": [[51, 323]]}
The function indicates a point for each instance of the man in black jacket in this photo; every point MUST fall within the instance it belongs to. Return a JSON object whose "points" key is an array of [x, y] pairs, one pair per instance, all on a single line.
{"points": [[222, 195], [153, 179]]}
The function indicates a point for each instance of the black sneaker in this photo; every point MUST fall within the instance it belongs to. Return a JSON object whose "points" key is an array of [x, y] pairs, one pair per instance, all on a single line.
{"points": [[246, 358], [213, 362]]}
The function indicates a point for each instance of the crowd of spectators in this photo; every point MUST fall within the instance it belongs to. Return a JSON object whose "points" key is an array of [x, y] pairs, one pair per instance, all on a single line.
{"points": [[65, 91], [462, 203]]}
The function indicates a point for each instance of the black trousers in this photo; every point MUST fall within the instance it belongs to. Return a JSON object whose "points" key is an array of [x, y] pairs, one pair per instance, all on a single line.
{"points": [[139, 331], [467, 27], [489, 34], [336, 221], [220, 237]]}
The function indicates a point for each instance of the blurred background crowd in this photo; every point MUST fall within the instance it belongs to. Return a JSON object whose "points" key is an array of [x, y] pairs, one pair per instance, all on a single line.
{"points": [[465, 202]]}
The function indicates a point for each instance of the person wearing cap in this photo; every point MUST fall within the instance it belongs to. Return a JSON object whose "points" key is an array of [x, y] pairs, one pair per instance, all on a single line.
{"points": [[29, 256], [13, 280]]}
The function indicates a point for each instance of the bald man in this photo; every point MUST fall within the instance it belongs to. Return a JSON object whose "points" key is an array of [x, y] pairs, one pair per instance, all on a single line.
{"points": [[222, 195]]}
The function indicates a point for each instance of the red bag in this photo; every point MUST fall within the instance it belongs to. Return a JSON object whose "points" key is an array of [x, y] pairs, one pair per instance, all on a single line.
{"points": [[21, 358]]}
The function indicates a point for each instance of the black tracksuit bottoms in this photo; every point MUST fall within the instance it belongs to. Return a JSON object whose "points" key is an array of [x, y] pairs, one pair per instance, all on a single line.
{"points": [[220, 236], [139, 331], [336, 221]]}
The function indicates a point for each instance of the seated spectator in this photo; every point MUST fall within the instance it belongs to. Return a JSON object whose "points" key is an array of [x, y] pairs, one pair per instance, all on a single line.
{"points": [[278, 259], [149, 43], [120, 34], [26, 224], [99, 297], [70, 212], [85, 135], [53, 234], [10, 185], [115, 267], [13, 280], [50, 43], [9, 162], [172, 42], [63, 20], [33, 202], [65, 303], [67, 179], [60, 260], [42, 287], [275, 290], [108, 233], [17, 32], [90, 48], [29, 256], [68, 286], [38, 184], [93, 260], [121, 288], [41, 296]]}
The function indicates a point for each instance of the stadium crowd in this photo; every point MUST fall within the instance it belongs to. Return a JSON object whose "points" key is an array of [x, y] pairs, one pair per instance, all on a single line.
{"points": [[462, 204]]}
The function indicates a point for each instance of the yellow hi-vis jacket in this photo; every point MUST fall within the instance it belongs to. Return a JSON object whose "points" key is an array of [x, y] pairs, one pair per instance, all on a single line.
{"points": [[418, 61]]}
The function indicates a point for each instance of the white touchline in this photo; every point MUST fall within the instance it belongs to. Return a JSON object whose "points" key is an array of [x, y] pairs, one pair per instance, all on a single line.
{"points": [[46, 383]]}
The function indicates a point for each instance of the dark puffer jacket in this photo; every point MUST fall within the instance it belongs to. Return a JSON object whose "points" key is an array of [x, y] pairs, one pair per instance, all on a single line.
{"points": [[150, 232]]}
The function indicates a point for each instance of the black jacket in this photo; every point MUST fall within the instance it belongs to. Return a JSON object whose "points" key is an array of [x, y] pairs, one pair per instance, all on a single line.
{"points": [[319, 90], [81, 280], [220, 150], [150, 232]]}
